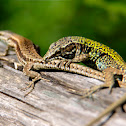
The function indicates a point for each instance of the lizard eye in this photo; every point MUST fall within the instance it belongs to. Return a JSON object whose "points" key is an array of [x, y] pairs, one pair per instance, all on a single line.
{"points": [[69, 56], [69, 48], [68, 51]]}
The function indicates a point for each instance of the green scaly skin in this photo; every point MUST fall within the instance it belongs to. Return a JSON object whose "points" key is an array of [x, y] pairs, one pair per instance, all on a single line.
{"points": [[99, 56], [91, 53]]}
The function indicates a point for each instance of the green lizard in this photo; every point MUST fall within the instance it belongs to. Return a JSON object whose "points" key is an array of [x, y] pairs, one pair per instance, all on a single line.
{"points": [[95, 55], [92, 54]]}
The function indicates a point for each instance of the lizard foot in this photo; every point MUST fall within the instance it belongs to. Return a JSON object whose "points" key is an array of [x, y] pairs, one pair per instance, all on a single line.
{"points": [[98, 87], [32, 84], [94, 89], [88, 92]]}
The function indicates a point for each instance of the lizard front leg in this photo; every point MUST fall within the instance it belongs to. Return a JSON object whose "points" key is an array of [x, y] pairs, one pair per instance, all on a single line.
{"points": [[109, 77], [123, 82], [35, 75]]}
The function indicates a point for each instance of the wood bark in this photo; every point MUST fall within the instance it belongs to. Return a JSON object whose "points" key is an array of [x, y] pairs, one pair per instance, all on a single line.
{"points": [[50, 103]]}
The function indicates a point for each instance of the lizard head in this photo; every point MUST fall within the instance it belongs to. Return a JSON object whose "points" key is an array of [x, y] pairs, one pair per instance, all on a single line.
{"points": [[62, 49]]}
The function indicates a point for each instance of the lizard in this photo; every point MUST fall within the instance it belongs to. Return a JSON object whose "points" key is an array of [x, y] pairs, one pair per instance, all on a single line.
{"points": [[31, 60], [93, 54]]}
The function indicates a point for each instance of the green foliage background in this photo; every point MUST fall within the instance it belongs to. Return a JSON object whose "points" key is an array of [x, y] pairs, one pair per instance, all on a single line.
{"points": [[46, 21]]}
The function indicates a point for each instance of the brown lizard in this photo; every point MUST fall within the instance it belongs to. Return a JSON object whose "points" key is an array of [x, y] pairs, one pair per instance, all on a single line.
{"points": [[31, 60]]}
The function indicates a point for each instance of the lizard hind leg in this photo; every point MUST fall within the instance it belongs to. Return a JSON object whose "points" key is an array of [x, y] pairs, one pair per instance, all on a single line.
{"points": [[109, 83], [35, 75]]}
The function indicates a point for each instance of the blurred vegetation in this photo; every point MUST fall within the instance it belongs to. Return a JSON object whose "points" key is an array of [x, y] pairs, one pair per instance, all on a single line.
{"points": [[46, 21]]}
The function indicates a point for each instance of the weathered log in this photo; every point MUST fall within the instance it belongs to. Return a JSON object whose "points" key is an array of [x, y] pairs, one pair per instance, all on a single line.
{"points": [[50, 103]]}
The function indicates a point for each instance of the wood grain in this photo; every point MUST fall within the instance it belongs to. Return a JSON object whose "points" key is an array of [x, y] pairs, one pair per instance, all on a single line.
{"points": [[50, 103]]}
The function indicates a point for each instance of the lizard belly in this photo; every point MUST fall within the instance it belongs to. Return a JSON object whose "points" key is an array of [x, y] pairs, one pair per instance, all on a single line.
{"points": [[106, 61]]}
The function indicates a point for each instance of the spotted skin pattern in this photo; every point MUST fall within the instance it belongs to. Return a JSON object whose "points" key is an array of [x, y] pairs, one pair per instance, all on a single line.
{"points": [[92, 53]]}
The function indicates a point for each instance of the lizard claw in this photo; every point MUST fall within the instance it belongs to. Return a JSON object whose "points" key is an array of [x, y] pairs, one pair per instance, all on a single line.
{"points": [[29, 85], [78, 92], [32, 85]]}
